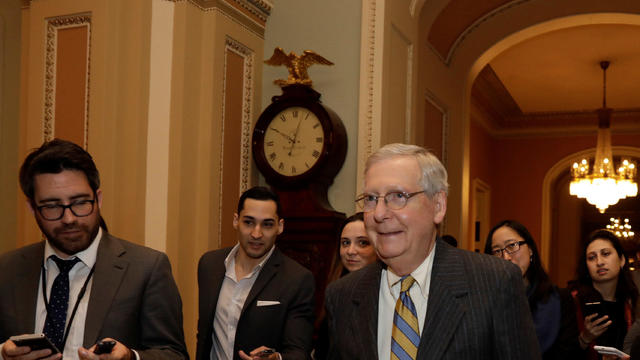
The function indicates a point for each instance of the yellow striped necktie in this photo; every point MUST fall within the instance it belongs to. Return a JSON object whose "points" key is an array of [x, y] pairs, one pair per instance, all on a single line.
{"points": [[405, 336]]}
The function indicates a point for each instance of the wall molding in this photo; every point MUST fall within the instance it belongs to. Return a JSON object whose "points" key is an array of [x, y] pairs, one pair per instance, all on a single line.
{"points": [[52, 26], [433, 100], [370, 98], [471, 28], [250, 14], [247, 108], [247, 115]]}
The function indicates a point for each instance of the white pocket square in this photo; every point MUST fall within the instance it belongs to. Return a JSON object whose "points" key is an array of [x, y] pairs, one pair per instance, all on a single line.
{"points": [[268, 303]]}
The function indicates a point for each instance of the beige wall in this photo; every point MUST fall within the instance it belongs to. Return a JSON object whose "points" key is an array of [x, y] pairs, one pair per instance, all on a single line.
{"points": [[9, 119], [207, 48], [172, 89], [118, 86]]}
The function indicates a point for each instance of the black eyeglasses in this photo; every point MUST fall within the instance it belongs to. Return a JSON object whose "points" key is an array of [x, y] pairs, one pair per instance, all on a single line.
{"points": [[394, 200], [79, 208], [510, 248]]}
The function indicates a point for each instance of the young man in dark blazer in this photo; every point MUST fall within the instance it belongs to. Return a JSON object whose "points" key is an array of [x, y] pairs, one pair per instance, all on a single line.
{"points": [[114, 289], [255, 302], [426, 299]]}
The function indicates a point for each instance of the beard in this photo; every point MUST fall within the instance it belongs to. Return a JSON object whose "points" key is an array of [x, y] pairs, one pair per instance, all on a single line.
{"points": [[71, 238]]}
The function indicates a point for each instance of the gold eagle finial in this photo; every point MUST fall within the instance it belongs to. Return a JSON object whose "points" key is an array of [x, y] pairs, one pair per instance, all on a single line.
{"points": [[297, 65]]}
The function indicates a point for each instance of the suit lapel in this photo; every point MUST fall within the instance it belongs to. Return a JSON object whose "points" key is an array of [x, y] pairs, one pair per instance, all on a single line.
{"points": [[27, 288], [445, 306], [215, 277], [110, 269], [365, 301], [269, 270]]}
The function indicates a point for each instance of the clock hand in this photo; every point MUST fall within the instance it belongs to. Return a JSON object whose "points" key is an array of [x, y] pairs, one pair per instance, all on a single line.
{"points": [[283, 134], [295, 137]]}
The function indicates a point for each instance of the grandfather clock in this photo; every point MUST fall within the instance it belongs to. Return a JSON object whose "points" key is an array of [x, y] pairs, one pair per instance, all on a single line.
{"points": [[299, 145]]}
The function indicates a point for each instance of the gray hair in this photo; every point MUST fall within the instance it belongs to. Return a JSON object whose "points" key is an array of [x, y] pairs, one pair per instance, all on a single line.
{"points": [[434, 175]]}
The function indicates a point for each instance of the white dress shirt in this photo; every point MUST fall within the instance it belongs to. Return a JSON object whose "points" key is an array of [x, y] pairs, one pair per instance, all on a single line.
{"points": [[389, 293], [231, 299], [77, 277]]}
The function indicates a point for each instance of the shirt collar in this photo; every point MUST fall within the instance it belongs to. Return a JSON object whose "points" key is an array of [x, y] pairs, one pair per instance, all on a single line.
{"points": [[87, 256], [422, 274], [230, 260]]}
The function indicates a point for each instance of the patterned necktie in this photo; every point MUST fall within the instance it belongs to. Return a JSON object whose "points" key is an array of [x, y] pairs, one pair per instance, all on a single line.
{"points": [[405, 336], [54, 325]]}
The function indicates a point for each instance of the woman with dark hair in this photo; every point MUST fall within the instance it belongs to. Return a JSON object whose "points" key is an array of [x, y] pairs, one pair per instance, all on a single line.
{"points": [[354, 251], [604, 293], [551, 308]]}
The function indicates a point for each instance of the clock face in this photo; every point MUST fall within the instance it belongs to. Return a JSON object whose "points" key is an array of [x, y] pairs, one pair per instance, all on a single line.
{"points": [[293, 141]]}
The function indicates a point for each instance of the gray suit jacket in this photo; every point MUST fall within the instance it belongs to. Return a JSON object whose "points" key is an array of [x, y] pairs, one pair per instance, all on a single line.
{"points": [[476, 309], [286, 327], [133, 298]]}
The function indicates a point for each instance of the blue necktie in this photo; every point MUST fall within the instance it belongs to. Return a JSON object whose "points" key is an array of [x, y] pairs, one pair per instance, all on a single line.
{"points": [[54, 325], [405, 335]]}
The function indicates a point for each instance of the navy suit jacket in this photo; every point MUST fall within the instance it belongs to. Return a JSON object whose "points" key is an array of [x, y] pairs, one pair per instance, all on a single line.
{"points": [[477, 309], [133, 298], [286, 327]]}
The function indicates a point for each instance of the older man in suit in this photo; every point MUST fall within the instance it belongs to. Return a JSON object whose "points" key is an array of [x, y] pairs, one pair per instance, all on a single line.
{"points": [[81, 284], [255, 302], [426, 299]]}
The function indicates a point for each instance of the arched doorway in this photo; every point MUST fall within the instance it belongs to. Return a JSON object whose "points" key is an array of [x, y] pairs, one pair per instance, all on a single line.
{"points": [[567, 220], [450, 75]]}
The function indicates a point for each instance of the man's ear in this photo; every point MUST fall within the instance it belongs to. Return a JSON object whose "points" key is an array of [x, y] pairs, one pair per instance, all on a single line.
{"points": [[280, 226], [30, 206], [440, 206], [99, 198], [235, 221]]}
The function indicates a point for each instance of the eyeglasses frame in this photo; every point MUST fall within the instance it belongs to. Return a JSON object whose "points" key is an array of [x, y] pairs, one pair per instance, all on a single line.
{"points": [[502, 250], [405, 194], [69, 206]]}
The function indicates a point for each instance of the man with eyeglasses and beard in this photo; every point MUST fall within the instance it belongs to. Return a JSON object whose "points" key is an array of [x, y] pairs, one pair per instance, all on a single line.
{"points": [[83, 285]]}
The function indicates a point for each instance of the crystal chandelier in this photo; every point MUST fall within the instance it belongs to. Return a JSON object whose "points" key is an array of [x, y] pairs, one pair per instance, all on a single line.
{"points": [[622, 231], [604, 186]]}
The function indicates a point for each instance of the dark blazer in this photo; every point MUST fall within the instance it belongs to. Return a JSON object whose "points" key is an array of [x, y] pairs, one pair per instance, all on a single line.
{"points": [[286, 327], [133, 298], [476, 309]]}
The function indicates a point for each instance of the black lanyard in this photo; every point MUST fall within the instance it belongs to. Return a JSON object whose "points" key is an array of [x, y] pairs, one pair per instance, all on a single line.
{"points": [[75, 307]]}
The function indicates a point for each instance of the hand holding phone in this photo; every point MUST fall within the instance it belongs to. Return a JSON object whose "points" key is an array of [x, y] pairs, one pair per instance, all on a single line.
{"points": [[104, 347], [266, 353], [607, 350], [595, 307], [35, 342]]}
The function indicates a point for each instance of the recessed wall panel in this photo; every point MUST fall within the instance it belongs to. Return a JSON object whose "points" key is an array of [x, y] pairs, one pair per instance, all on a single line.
{"points": [[71, 83]]}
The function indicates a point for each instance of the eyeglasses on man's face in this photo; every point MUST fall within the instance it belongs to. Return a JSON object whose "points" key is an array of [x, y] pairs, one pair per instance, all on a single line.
{"points": [[78, 208], [394, 200], [512, 248]]}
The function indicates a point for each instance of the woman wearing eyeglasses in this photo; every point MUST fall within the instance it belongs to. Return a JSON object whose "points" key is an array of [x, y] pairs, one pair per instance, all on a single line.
{"points": [[552, 309], [604, 292]]}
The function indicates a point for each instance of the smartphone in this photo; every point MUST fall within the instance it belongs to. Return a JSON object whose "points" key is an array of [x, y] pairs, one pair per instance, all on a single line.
{"points": [[35, 342], [606, 350], [104, 347], [595, 307], [266, 353]]}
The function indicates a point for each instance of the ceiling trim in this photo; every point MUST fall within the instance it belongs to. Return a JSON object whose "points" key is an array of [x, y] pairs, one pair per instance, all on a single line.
{"points": [[450, 49]]}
